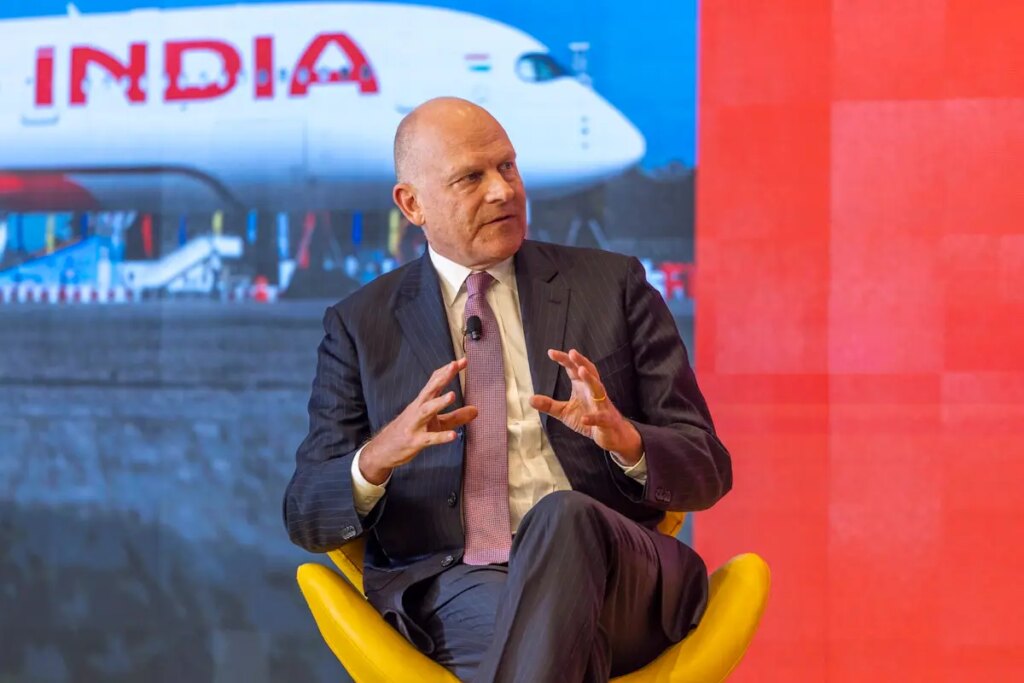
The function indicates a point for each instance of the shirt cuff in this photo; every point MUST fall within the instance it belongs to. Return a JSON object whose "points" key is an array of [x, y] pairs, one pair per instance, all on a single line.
{"points": [[637, 471], [364, 494]]}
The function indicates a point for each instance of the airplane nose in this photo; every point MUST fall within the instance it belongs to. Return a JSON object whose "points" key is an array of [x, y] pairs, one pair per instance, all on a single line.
{"points": [[612, 142], [634, 145], [593, 144]]}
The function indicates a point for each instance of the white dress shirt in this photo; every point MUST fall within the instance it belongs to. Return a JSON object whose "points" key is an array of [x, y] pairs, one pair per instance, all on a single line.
{"points": [[533, 469]]}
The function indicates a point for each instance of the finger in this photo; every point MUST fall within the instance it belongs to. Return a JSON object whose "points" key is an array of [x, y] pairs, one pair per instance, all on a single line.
{"points": [[457, 418], [563, 359], [454, 370], [441, 378], [548, 405], [593, 383], [430, 408], [584, 362], [436, 438], [433, 384]]}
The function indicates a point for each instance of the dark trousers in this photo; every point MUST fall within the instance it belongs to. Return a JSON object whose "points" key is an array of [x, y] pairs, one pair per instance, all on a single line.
{"points": [[581, 599]]}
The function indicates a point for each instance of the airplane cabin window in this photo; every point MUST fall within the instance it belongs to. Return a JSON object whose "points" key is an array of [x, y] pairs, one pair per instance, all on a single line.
{"points": [[537, 67]]}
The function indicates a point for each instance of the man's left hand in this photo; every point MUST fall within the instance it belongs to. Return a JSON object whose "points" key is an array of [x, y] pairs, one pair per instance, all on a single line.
{"points": [[589, 411]]}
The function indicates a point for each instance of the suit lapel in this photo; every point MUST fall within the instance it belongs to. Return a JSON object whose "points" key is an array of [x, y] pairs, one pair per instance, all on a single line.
{"points": [[544, 306], [424, 320]]}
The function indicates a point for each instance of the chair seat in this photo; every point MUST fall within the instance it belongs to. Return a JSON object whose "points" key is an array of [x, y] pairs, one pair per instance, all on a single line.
{"points": [[373, 652]]}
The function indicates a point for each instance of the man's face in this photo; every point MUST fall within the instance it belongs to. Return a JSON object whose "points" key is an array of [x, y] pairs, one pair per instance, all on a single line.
{"points": [[467, 193]]}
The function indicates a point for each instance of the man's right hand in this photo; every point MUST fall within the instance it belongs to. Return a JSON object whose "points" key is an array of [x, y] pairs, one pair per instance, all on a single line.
{"points": [[418, 426]]}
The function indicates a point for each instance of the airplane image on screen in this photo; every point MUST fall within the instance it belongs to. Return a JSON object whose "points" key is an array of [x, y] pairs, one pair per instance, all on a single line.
{"points": [[274, 106]]}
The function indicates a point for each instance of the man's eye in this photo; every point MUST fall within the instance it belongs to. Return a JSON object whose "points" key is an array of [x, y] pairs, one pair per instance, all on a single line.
{"points": [[508, 166], [471, 177]]}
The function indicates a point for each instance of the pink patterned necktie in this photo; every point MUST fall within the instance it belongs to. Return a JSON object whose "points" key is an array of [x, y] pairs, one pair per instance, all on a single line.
{"points": [[485, 483]]}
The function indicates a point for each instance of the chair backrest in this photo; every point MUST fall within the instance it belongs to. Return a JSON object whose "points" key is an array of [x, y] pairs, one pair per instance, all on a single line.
{"points": [[349, 557]]}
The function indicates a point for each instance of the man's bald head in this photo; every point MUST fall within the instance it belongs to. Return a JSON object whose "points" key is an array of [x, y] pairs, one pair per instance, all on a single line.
{"points": [[458, 180], [431, 123]]}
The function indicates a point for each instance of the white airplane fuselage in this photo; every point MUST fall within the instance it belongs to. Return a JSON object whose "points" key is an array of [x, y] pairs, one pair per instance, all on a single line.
{"points": [[273, 106]]}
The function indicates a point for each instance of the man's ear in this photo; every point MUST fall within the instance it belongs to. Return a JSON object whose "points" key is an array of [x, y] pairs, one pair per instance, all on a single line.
{"points": [[405, 198]]}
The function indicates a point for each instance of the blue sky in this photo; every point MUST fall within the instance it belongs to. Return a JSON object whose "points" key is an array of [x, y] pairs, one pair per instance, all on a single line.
{"points": [[642, 55]]}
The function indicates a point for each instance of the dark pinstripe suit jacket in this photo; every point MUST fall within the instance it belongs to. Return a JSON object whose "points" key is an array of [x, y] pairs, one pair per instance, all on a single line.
{"points": [[381, 344]]}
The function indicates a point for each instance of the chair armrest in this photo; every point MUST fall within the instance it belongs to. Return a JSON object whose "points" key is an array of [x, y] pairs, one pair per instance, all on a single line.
{"points": [[672, 523], [367, 646], [737, 596], [349, 559]]}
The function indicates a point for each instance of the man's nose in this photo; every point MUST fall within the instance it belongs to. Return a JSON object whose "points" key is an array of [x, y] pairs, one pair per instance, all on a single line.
{"points": [[499, 189]]}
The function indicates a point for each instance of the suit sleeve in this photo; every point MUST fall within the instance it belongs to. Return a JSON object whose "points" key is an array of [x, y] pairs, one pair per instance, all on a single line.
{"points": [[688, 468], [319, 507]]}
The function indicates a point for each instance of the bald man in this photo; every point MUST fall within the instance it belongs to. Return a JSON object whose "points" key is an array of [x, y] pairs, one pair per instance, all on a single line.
{"points": [[507, 421]]}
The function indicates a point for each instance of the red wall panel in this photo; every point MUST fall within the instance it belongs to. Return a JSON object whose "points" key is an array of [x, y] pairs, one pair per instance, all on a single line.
{"points": [[860, 329]]}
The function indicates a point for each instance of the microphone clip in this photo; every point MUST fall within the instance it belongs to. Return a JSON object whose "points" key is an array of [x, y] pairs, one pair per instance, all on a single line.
{"points": [[474, 328]]}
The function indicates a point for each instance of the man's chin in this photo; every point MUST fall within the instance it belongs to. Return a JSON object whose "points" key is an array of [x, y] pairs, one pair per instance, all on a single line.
{"points": [[504, 231], [502, 247]]}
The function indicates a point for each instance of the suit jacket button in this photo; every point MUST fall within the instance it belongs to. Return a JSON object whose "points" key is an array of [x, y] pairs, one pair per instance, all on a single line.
{"points": [[453, 498], [348, 532], [448, 559]]}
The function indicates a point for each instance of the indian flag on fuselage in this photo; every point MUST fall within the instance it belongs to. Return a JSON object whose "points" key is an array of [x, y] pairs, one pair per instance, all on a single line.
{"points": [[478, 61]]}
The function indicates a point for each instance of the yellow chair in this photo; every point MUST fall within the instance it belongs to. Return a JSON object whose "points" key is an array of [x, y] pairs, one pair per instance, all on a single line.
{"points": [[373, 652]]}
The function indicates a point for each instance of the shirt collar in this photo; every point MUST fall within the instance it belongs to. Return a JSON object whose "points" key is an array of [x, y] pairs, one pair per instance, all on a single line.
{"points": [[453, 275]]}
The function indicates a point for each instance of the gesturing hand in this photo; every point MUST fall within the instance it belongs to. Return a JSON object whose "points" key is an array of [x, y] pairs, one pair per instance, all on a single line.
{"points": [[421, 424], [588, 410]]}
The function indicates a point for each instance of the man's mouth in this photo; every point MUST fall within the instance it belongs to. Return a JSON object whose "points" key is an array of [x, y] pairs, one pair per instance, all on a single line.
{"points": [[501, 219]]}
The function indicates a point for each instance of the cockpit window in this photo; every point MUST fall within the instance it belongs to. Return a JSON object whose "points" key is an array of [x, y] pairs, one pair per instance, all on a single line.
{"points": [[537, 67]]}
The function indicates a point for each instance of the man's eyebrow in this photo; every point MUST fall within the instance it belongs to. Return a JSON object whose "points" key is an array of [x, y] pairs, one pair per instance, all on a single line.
{"points": [[465, 169], [460, 171]]}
